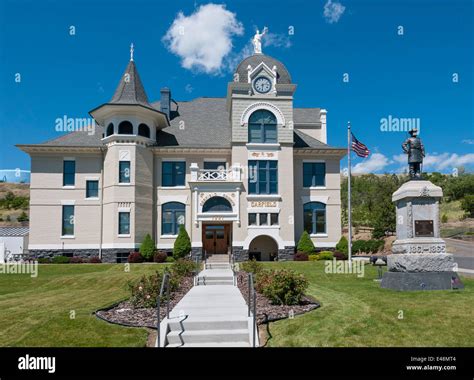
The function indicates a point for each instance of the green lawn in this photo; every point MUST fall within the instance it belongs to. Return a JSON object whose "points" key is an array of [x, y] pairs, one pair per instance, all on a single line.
{"points": [[356, 312], [36, 311]]}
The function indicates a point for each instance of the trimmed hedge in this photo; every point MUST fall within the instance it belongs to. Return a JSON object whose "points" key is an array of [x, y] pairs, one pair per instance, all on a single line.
{"points": [[160, 257], [135, 257], [60, 260], [343, 245], [301, 256], [367, 246], [325, 255]]}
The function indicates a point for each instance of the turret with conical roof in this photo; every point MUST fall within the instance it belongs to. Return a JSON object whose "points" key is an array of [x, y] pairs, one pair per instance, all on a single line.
{"points": [[129, 111]]}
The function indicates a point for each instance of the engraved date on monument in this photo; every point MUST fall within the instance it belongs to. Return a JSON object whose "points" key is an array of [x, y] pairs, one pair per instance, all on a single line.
{"points": [[424, 228]]}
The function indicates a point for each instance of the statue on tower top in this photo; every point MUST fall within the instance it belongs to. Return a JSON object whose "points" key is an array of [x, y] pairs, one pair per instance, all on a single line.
{"points": [[257, 40]]}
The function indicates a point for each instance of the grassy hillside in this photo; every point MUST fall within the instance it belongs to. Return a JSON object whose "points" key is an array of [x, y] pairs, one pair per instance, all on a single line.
{"points": [[20, 191]]}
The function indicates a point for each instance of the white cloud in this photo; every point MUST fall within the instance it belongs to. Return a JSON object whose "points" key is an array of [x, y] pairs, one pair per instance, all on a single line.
{"points": [[333, 11], [375, 163], [188, 88], [280, 40], [203, 39], [444, 161], [468, 141]]}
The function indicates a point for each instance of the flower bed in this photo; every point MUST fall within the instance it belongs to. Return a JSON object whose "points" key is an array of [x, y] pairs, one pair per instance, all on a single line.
{"points": [[125, 314], [268, 312]]}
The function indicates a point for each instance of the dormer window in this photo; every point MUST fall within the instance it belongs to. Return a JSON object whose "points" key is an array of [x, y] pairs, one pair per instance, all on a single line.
{"points": [[144, 130], [110, 130], [125, 128]]}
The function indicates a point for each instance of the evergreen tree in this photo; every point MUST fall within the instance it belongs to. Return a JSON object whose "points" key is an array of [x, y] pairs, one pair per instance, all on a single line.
{"points": [[147, 248], [182, 244], [305, 243]]}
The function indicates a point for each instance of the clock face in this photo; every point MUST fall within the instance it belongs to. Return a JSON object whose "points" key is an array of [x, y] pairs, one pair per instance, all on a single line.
{"points": [[262, 85]]}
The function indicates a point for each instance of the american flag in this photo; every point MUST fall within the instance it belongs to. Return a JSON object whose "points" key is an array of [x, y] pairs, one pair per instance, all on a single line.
{"points": [[360, 149]]}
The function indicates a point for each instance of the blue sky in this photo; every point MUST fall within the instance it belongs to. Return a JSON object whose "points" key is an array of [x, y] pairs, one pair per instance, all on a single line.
{"points": [[404, 76]]}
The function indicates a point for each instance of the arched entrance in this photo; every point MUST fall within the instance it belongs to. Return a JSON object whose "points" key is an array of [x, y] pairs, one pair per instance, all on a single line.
{"points": [[263, 248]]}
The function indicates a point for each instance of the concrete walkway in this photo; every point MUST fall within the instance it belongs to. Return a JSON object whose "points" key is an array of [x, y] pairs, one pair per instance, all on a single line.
{"points": [[212, 314]]}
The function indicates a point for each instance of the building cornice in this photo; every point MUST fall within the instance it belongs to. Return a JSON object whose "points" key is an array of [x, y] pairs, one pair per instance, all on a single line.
{"points": [[58, 149], [191, 150], [339, 153]]}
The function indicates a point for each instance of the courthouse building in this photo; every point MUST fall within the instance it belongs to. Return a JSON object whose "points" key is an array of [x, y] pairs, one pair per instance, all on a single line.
{"points": [[245, 173]]}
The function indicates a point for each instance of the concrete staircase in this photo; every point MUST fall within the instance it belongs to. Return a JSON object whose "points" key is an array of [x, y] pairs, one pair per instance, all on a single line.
{"points": [[212, 314]]}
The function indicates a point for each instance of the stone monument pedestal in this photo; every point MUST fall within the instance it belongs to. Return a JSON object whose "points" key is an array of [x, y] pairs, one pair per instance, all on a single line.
{"points": [[419, 260]]}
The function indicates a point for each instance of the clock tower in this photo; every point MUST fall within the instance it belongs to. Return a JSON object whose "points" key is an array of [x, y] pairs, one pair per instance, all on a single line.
{"points": [[260, 105]]}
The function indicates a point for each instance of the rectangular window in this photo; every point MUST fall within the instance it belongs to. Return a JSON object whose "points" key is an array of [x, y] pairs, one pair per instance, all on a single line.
{"points": [[314, 174], [274, 219], [92, 189], [214, 165], [172, 215], [68, 221], [263, 177], [252, 219], [69, 173], [263, 219], [124, 223], [124, 172], [173, 173]]}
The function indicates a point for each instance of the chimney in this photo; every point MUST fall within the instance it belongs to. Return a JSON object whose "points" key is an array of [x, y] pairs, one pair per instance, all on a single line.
{"points": [[165, 102]]}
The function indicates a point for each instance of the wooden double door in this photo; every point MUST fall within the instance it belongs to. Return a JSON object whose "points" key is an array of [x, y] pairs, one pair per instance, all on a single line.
{"points": [[215, 239]]}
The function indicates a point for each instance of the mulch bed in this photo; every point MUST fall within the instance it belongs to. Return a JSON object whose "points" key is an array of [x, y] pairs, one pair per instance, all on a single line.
{"points": [[125, 314], [266, 311]]}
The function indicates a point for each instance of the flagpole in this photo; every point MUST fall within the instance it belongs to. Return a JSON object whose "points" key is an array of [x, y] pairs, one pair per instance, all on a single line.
{"points": [[349, 208]]}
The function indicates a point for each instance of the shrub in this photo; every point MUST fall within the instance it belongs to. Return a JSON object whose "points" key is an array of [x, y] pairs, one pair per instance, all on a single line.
{"points": [[95, 260], [282, 287], [182, 244], [23, 217], [342, 245], [44, 260], [325, 255], [313, 257], [160, 257], [183, 268], [147, 248], [301, 256], [145, 291], [60, 260], [135, 257], [444, 218], [76, 260], [340, 255], [170, 259], [358, 246], [305, 243], [251, 266]]}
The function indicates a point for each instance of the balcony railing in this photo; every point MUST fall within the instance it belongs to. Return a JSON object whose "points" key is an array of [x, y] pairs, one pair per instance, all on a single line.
{"points": [[205, 175]]}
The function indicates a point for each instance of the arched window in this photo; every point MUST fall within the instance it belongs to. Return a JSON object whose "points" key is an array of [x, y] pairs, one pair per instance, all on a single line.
{"points": [[217, 204], [143, 130], [172, 216], [125, 128], [263, 127], [110, 129], [315, 217]]}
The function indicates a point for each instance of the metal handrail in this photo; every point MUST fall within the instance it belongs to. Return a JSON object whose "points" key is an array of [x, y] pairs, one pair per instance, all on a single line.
{"points": [[252, 297], [164, 284]]}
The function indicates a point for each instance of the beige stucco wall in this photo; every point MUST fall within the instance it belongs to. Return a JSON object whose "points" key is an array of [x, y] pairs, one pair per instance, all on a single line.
{"points": [[330, 194], [47, 196]]}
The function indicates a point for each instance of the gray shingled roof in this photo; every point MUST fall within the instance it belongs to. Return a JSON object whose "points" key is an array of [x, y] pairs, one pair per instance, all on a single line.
{"points": [[199, 123], [283, 76], [79, 138], [130, 89], [202, 122], [306, 115], [14, 231]]}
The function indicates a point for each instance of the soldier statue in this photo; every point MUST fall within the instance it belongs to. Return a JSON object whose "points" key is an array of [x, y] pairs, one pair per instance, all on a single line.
{"points": [[416, 151]]}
